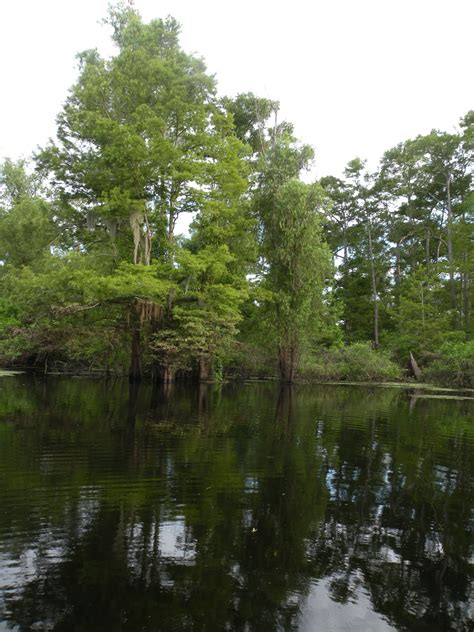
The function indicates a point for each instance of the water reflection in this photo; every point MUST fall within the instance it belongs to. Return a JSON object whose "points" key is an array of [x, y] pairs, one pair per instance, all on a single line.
{"points": [[237, 508]]}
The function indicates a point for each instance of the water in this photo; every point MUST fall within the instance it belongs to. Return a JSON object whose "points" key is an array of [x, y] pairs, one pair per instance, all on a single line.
{"points": [[234, 508]]}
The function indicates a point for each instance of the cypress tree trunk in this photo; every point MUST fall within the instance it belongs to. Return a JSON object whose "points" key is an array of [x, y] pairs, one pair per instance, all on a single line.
{"points": [[204, 370], [165, 374], [287, 359]]}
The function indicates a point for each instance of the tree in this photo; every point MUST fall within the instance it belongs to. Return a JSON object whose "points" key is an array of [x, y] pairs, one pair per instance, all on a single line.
{"points": [[422, 320], [427, 182], [297, 263], [356, 225], [141, 139], [203, 323], [287, 296], [27, 229]]}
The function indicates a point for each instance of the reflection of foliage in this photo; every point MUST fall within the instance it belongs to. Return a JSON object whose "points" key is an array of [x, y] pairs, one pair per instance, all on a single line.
{"points": [[217, 509]]}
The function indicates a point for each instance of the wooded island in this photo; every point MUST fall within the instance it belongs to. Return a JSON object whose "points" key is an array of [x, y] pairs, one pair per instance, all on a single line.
{"points": [[341, 279]]}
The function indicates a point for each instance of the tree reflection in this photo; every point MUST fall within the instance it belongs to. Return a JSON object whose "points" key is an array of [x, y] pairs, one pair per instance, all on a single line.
{"points": [[221, 510]]}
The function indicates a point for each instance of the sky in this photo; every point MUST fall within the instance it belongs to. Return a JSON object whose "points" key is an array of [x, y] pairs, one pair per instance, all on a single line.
{"points": [[355, 77]]}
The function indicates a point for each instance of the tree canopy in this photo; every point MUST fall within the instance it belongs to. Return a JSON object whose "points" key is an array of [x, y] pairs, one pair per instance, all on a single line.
{"points": [[274, 272]]}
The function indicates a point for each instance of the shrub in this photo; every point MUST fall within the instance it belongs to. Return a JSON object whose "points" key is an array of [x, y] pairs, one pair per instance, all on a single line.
{"points": [[356, 362], [250, 361], [454, 365]]}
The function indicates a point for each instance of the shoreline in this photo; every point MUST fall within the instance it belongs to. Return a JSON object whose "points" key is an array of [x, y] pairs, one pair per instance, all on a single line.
{"points": [[416, 386]]}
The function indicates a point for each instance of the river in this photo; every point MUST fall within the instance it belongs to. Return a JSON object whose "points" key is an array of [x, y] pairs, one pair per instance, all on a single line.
{"points": [[235, 507]]}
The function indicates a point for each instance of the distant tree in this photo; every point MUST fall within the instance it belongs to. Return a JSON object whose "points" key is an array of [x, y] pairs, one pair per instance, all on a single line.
{"points": [[27, 228], [422, 320]]}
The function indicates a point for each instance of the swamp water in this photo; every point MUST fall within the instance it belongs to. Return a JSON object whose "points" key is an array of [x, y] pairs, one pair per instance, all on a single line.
{"points": [[321, 508]]}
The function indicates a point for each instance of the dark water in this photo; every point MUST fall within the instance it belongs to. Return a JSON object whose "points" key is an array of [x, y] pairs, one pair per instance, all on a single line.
{"points": [[240, 508]]}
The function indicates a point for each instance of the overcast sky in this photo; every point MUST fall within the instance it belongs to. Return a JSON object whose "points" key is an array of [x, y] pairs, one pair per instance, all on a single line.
{"points": [[354, 76]]}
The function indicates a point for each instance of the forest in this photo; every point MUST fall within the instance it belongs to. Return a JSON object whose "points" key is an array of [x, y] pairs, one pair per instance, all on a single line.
{"points": [[366, 277]]}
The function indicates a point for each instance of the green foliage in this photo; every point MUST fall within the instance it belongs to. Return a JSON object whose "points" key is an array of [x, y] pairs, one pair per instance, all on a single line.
{"points": [[295, 259], [357, 223], [27, 229], [203, 322], [356, 362], [71, 311], [142, 139], [90, 264], [454, 365], [16, 183], [8, 317], [422, 317]]}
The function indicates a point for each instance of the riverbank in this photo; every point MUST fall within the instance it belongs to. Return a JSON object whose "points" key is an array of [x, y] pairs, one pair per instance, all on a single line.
{"points": [[357, 363], [419, 389]]}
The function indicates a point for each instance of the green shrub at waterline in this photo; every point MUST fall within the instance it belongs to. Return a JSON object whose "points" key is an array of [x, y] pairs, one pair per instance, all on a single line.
{"points": [[356, 362], [454, 366]]}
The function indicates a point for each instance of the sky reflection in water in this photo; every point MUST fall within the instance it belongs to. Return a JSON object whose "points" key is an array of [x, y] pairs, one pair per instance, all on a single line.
{"points": [[233, 508]]}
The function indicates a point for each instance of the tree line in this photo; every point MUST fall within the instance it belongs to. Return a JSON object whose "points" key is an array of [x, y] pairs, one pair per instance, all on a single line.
{"points": [[275, 275]]}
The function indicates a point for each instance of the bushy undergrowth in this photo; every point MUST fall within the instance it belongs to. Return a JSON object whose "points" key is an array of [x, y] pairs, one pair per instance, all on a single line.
{"points": [[356, 362], [453, 366], [250, 361]]}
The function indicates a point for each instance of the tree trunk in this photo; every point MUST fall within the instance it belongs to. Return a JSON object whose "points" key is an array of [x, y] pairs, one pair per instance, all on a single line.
{"points": [[466, 300], [344, 232], [427, 249], [346, 256], [165, 374], [374, 288], [287, 364], [466, 292], [171, 222], [415, 368], [376, 325], [136, 359], [450, 242], [398, 273], [204, 370]]}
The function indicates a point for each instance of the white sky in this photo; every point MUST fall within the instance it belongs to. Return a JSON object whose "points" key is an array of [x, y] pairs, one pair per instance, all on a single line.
{"points": [[354, 76]]}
